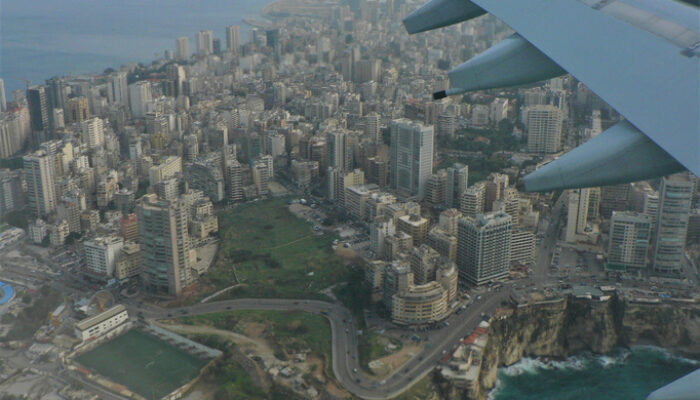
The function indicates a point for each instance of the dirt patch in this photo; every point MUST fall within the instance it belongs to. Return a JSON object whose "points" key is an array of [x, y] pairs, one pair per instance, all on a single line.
{"points": [[396, 360], [245, 342], [329, 384], [255, 330]]}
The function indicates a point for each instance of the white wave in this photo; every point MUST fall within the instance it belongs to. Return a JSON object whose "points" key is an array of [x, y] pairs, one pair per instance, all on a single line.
{"points": [[669, 355], [496, 389], [610, 360], [525, 365]]}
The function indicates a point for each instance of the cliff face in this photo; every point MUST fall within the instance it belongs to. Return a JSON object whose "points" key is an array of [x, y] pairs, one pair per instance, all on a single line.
{"points": [[561, 328]]}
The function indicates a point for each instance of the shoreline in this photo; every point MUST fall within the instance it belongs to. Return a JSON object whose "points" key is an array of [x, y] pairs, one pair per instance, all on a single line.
{"points": [[68, 64], [581, 362]]}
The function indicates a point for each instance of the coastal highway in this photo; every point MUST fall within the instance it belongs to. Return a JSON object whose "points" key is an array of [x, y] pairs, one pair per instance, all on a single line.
{"points": [[344, 342]]}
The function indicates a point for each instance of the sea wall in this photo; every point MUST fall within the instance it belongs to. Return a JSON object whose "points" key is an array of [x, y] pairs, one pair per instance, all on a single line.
{"points": [[559, 329]]}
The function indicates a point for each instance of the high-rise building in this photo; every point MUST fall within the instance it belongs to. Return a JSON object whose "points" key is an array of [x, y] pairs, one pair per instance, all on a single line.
{"points": [[129, 227], [3, 97], [379, 229], [93, 131], [446, 124], [11, 192], [416, 226], [522, 247], [436, 188], [367, 70], [234, 185], [339, 154], [38, 108], [117, 89], [69, 208], [630, 233], [168, 168], [425, 261], [165, 244], [672, 223], [397, 278], [101, 255], [39, 169], [544, 125], [472, 201], [495, 189], [411, 155], [128, 264], [577, 214], [10, 136], [457, 182], [77, 110], [56, 93], [233, 38], [339, 180], [372, 125], [183, 48], [139, 97], [205, 43], [614, 198], [261, 177], [483, 247]]}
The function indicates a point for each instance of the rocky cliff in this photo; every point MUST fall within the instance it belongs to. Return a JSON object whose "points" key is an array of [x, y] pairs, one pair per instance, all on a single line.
{"points": [[560, 328]]}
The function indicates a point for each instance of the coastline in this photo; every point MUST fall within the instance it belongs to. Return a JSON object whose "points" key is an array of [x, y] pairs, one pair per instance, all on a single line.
{"points": [[556, 333], [73, 52], [597, 370]]}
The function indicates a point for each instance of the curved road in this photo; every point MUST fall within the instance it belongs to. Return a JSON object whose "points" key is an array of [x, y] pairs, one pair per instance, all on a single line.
{"points": [[344, 342]]}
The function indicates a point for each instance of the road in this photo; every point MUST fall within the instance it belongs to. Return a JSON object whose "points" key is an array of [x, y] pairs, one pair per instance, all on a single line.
{"points": [[345, 342]]}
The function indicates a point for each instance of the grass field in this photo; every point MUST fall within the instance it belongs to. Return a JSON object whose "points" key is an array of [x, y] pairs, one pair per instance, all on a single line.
{"points": [[275, 253], [143, 363]]}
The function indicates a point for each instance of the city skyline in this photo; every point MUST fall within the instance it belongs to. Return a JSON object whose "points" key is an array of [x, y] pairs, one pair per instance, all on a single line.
{"points": [[329, 181]]}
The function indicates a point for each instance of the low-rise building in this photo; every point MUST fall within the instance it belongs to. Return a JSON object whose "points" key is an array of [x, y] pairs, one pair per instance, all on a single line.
{"points": [[100, 324]]}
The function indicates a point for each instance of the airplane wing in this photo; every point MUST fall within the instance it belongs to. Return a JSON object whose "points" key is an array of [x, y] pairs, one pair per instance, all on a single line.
{"points": [[641, 56]]}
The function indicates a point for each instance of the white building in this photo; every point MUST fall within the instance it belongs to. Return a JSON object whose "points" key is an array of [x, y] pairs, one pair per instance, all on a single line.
{"points": [[101, 254], [483, 247], [101, 323], [630, 233], [205, 43], [39, 172], [93, 131], [676, 194], [183, 48], [233, 38], [117, 89], [544, 125], [577, 214], [140, 96]]}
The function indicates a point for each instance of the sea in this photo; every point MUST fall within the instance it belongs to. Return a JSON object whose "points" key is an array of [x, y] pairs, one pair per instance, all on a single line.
{"points": [[44, 38], [625, 374]]}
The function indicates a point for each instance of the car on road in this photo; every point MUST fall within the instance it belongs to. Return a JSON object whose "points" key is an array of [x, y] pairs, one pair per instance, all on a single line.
{"points": [[354, 370]]}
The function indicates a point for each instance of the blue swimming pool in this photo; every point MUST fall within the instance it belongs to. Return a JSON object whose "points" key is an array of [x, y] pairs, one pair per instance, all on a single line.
{"points": [[8, 292]]}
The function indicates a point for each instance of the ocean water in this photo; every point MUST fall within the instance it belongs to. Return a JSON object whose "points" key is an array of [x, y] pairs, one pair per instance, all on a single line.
{"points": [[623, 374], [44, 38]]}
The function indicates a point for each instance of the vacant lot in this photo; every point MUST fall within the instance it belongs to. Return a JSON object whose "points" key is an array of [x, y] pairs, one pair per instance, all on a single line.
{"points": [[274, 254], [143, 363], [287, 332]]}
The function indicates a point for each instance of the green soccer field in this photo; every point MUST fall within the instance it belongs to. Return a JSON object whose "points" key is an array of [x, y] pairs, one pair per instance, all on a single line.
{"points": [[143, 363]]}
